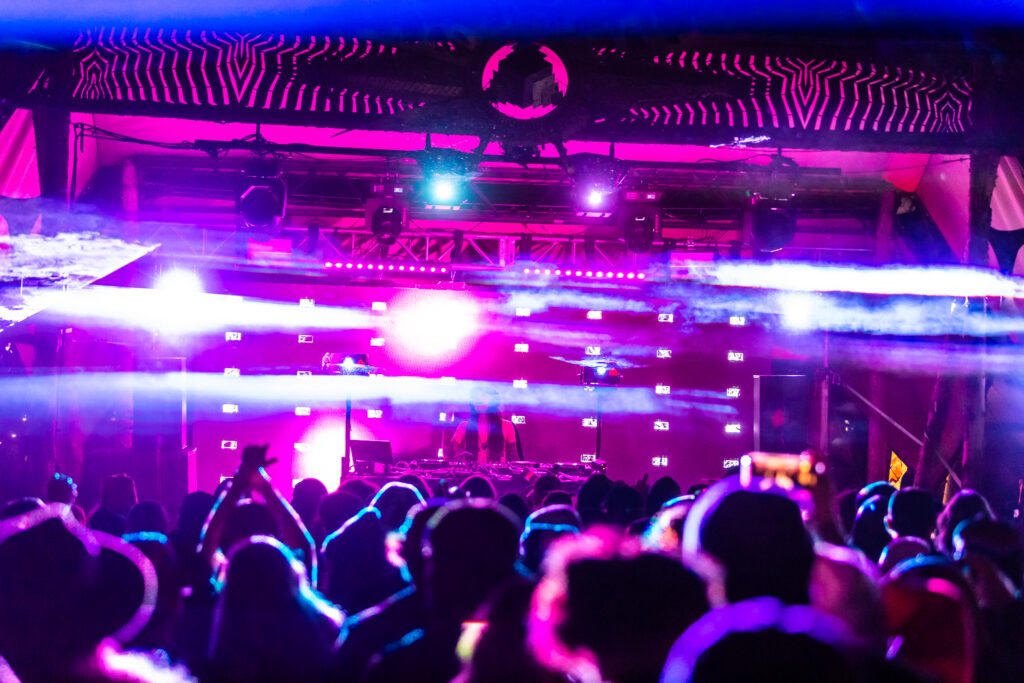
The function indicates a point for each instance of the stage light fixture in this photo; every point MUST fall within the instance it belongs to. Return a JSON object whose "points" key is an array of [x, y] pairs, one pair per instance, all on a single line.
{"points": [[264, 194], [773, 224], [334, 363], [443, 190], [386, 217], [640, 224], [601, 374]]}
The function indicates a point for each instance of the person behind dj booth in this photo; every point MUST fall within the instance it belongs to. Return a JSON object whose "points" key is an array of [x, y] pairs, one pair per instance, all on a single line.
{"points": [[486, 437]]}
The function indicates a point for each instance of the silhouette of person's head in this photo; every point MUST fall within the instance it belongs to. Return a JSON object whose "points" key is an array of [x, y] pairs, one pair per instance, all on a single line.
{"points": [[356, 572], [966, 504], [911, 512], [393, 502], [515, 504], [662, 491], [337, 508], [846, 508], [623, 505], [772, 656], [159, 631], [590, 497], [869, 532], [195, 508], [470, 547], [605, 603], [418, 482], [360, 488], [148, 515], [875, 488], [763, 640], [268, 624], [557, 498], [544, 485], [998, 542], [542, 528], [306, 497], [117, 494], [248, 519], [756, 537], [477, 486], [61, 489], [411, 552]]}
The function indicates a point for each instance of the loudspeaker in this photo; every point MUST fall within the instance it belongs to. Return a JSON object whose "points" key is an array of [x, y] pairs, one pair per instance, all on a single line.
{"points": [[782, 413]]}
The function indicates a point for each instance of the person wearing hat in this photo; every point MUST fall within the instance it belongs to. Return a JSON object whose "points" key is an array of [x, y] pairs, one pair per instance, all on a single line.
{"points": [[69, 596]]}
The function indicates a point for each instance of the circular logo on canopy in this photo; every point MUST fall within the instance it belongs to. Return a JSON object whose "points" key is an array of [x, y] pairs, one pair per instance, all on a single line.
{"points": [[525, 81]]}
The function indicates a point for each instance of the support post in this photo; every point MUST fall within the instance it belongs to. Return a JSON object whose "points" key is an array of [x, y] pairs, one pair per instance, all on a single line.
{"points": [[983, 173]]}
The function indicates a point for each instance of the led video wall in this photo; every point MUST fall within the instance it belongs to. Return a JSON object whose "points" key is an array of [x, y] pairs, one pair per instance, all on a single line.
{"points": [[684, 406]]}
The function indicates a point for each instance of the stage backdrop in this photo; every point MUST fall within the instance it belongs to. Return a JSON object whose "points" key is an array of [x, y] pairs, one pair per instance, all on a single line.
{"points": [[673, 413]]}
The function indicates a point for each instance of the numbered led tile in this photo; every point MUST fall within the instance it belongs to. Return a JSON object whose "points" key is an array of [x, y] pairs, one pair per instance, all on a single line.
{"points": [[733, 428], [379, 306], [518, 419], [232, 336], [732, 392], [307, 303], [662, 389], [377, 341], [593, 350], [374, 414], [590, 422], [229, 408], [735, 356], [588, 457], [305, 339], [661, 425], [519, 384], [664, 353], [594, 315], [522, 348], [737, 320], [666, 317], [232, 372], [229, 445], [303, 411]]}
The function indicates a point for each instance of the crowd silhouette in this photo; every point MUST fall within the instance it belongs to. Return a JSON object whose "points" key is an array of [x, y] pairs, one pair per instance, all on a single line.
{"points": [[739, 580]]}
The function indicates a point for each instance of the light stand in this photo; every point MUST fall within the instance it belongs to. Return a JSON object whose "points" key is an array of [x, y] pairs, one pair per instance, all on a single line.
{"points": [[597, 378], [349, 365]]}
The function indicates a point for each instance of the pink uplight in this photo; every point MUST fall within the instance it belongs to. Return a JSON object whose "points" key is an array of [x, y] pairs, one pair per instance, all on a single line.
{"points": [[433, 270], [444, 270], [359, 266], [558, 272], [620, 275], [401, 267], [391, 267], [640, 276], [590, 273], [348, 265], [579, 272], [599, 273], [630, 276]]}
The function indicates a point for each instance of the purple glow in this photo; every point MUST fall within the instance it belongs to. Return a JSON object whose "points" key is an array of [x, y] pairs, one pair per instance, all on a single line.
{"points": [[595, 198]]}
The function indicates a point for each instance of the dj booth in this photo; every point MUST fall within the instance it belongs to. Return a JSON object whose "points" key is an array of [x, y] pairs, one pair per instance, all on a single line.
{"points": [[513, 477]]}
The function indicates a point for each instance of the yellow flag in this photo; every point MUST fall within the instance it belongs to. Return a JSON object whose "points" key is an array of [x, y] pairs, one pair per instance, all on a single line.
{"points": [[897, 468]]}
